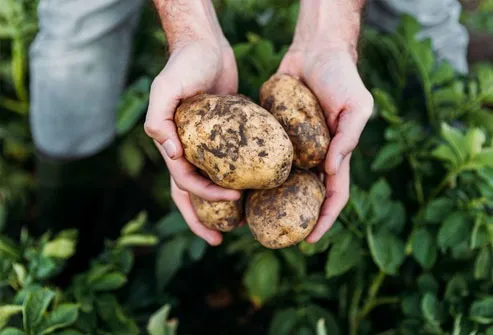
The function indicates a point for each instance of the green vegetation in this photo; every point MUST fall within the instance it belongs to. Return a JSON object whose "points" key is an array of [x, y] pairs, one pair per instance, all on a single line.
{"points": [[412, 252]]}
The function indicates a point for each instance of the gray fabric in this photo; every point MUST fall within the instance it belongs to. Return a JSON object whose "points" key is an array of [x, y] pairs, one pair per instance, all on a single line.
{"points": [[439, 20], [79, 57], [78, 65]]}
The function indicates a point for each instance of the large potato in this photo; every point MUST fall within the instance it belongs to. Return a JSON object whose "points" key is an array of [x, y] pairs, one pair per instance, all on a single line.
{"points": [[285, 215], [236, 142], [299, 112], [218, 215]]}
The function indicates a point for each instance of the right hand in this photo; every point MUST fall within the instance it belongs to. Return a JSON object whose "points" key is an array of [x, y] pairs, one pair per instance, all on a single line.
{"points": [[193, 66]]}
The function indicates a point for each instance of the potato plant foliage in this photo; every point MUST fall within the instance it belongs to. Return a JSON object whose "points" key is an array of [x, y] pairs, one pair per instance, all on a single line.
{"points": [[411, 253]]}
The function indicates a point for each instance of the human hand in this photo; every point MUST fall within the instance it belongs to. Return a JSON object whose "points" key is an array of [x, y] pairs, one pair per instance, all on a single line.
{"points": [[329, 69], [201, 61]]}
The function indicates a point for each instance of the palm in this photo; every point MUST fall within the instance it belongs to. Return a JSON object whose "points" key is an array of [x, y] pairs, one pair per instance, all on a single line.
{"points": [[347, 104]]}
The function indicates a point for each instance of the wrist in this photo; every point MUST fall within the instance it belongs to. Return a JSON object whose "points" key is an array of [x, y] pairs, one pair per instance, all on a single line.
{"points": [[329, 25], [185, 21]]}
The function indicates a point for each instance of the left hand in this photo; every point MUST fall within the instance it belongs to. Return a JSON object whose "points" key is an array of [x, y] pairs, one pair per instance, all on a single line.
{"points": [[332, 75]]}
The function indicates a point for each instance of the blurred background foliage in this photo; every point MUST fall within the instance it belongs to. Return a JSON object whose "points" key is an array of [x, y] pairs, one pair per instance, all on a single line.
{"points": [[412, 253]]}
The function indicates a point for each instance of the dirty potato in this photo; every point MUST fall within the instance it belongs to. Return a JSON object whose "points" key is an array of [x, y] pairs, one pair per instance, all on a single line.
{"points": [[236, 142], [218, 215], [285, 215], [299, 112]]}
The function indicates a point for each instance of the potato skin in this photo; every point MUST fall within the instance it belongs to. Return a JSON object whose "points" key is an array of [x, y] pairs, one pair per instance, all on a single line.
{"points": [[218, 215], [285, 215], [299, 112], [236, 142]]}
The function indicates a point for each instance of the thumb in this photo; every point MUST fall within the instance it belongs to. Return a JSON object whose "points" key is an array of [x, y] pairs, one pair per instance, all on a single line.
{"points": [[164, 97]]}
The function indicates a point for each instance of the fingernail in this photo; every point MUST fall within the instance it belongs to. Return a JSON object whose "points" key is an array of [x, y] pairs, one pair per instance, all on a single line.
{"points": [[170, 148], [338, 162]]}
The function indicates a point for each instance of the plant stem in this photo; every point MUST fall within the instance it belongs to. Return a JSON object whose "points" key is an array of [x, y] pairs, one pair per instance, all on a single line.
{"points": [[351, 226], [14, 106], [442, 185], [418, 186], [19, 67], [375, 303], [371, 302], [354, 308]]}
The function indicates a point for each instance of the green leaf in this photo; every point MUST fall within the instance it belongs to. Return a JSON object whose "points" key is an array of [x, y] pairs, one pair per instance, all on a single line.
{"points": [[483, 264], [479, 236], [423, 54], [456, 140], [295, 260], [6, 312], [158, 320], [444, 72], [475, 139], [395, 218], [109, 282], [481, 310], [389, 156], [11, 331], [359, 202], [424, 248], [411, 306], [262, 277], [169, 260], [454, 230], [437, 209], [318, 286], [63, 316], [35, 305], [8, 248], [132, 158], [171, 224], [446, 154], [380, 191], [137, 240], [197, 248], [321, 245], [456, 288], [432, 309], [343, 256], [20, 272], [386, 249], [315, 313], [485, 158], [59, 248], [485, 77], [132, 105], [283, 322], [135, 225]]}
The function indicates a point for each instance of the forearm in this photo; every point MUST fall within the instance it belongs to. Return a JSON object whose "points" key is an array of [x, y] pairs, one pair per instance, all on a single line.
{"points": [[186, 20], [330, 23]]}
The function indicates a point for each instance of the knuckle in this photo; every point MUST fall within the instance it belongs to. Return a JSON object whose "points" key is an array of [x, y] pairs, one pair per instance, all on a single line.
{"points": [[151, 129]]}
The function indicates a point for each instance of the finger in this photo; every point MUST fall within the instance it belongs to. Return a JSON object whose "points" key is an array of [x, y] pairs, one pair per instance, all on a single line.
{"points": [[164, 97], [188, 179], [337, 187], [184, 204], [227, 83], [350, 125]]}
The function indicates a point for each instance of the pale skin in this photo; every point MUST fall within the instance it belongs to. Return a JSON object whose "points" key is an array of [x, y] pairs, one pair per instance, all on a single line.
{"points": [[322, 54]]}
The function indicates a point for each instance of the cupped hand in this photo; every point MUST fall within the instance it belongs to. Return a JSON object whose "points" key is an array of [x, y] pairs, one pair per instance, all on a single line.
{"points": [[193, 67], [332, 75]]}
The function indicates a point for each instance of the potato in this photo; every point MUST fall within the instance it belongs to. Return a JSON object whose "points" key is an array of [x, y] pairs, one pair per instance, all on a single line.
{"points": [[218, 215], [285, 215], [236, 142], [299, 112]]}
